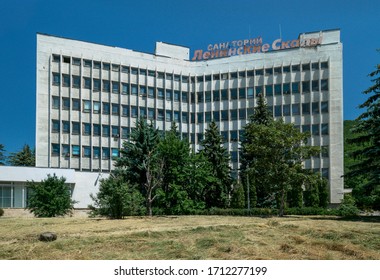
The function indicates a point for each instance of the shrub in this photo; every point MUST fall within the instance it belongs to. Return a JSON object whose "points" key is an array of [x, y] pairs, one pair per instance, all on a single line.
{"points": [[117, 199], [1, 212], [348, 207], [50, 198]]}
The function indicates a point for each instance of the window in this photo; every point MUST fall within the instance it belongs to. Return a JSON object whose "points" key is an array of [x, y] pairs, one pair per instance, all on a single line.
{"points": [[224, 135], [315, 108], [65, 127], [286, 88], [66, 80], [234, 156], [55, 126], [65, 103], [66, 151], [185, 117], [305, 86], [207, 116], [315, 85], [115, 67], [296, 87], [325, 151], [115, 109], [56, 79], [224, 115], [315, 66], [242, 93], [87, 63], [233, 93], [106, 86], [233, 135], [176, 95], [241, 134], [277, 89], [125, 132], [86, 129], [242, 114], [295, 109], [96, 106], [55, 102], [96, 84], [176, 116], [306, 128], [233, 115], [277, 70], [106, 66], [200, 97], [324, 107], [324, 84], [124, 88], [86, 151], [185, 96], [75, 104], [259, 72], [142, 112], [105, 130], [233, 75], [286, 110], [324, 65], [192, 117], [86, 106], [106, 108], [277, 111], [168, 94], [286, 69], [268, 71], [296, 68], [134, 111], [160, 93], [325, 129], [96, 129], [315, 129], [96, 152], [75, 150], [115, 131], [75, 128], [224, 94], [160, 114], [151, 113], [305, 108], [199, 137], [269, 90], [115, 153], [105, 153], [259, 90], [168, 116], [306, 67], [216, 116], [115, 87], [97, 65], [55, 149], [87, 83], [200, 117], [66, 59], [76, 61], [216, 77], [215, 95], [76, 81], [250, 93], [56, 58], [125, 110]]}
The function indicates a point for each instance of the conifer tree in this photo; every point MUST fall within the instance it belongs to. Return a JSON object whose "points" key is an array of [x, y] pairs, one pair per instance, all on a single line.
{"points": [[2, 157], [25, 157], [217, 155]]}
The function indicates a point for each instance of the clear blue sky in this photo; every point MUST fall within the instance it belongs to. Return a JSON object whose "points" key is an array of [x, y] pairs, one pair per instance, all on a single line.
{"points": [[138, 25]]}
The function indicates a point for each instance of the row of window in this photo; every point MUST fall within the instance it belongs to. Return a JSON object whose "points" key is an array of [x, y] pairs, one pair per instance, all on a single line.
{"points": [[168, 94], [314, 66], [114, 131], [169, 115], [74, 151]]}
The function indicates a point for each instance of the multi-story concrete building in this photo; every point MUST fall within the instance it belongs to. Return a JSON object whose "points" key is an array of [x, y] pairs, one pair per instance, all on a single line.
{"points": [[89, 96]]}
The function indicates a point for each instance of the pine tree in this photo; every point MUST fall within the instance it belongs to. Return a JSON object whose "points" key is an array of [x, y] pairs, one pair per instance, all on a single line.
{"points": [[368, 130], [214, 151], [25, 157], [2, 157]]}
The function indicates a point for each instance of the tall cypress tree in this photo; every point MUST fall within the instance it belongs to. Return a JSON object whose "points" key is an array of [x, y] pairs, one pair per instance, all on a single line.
{"points": [[214, 151], [368, 130]]}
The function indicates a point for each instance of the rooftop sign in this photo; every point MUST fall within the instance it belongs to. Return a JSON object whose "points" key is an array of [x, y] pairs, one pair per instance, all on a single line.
{"points": [[255, 45]]}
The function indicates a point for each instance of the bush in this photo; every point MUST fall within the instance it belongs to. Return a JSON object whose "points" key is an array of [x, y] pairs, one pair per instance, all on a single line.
{"points": [[1, 212], [348, 207], [117, 199], [50, 198]]}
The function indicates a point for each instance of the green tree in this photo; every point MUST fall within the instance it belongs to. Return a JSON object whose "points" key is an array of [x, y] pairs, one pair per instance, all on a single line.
{"points": [[214, 151], [368, 140], [273, 153], [117, 199], [50, 197], [2, 157], [175, 155], [139, 162], [238, 197], [25, 157]]}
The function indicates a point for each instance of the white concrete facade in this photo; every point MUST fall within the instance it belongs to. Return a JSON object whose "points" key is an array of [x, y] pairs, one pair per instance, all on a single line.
{"points": [[89, 96]]}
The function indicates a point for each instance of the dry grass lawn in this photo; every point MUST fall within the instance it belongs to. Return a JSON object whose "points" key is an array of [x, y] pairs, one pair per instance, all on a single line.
{"points": [[191, 237]]}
